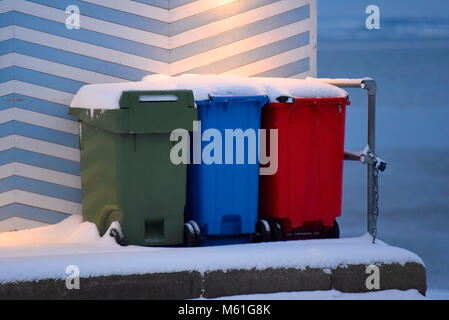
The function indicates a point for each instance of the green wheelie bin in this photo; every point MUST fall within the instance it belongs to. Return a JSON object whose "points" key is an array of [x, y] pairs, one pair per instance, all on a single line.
{"points": [[126, 171]]}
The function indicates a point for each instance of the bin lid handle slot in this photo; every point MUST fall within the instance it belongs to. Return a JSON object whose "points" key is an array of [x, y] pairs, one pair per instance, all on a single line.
{"points": [[158, 98], [285, 99]]}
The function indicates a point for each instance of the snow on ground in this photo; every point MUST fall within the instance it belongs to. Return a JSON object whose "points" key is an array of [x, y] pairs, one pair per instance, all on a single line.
{"points": [[107, 96], [331, 295], [437, 294], [44, 253]]}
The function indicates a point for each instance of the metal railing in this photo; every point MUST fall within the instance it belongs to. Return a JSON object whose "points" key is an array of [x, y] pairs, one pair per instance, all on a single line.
{"points": [[374, 164]]}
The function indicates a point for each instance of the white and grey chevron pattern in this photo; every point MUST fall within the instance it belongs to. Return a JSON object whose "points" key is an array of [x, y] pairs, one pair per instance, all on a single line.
{"points": [[43, 64]]}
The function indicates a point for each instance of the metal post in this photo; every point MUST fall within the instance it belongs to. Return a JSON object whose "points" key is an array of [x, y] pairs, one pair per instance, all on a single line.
{"points": [[372, 212]]}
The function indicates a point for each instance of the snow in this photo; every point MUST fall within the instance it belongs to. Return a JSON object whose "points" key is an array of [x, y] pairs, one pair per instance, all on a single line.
{"points": [[331, 295], [340, 81], [106, 96], [44, 253], [437, 294], [70, 230], [431, 294]]}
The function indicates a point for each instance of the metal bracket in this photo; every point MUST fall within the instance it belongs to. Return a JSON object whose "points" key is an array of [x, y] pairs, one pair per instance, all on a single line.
{"points": [[369, 85], [371, 159]]}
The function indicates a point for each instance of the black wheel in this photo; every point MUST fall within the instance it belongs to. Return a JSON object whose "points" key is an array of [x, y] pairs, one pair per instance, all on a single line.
{"points": [[334, 233], [190, 239], [197, 231], [263, 231], [277, 234], [118, 236]]}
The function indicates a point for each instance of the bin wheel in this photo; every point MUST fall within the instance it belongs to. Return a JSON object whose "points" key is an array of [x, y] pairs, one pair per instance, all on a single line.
{"points": [[276, 230], [191, 238], [263, 231], [117, 235], [197, 230], [334, 233]]}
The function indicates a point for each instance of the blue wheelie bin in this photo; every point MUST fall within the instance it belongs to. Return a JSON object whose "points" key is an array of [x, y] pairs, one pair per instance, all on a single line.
{"points": [[223, 198]]}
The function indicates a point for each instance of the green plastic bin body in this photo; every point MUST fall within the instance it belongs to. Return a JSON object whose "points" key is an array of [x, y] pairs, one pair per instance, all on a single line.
{"points": [[126, 171]]}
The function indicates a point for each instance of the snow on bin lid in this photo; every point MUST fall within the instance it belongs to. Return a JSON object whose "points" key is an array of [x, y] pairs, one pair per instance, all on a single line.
{"points": [[107, 96], [298, 88], [203, 85]]}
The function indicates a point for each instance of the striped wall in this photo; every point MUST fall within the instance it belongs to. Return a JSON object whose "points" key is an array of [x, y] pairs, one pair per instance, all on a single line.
{"points": [[43, 64]]}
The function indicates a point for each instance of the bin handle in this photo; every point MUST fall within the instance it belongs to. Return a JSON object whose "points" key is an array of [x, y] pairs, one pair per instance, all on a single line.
{"points": [[286, 99], [158, 98], [223, 97], [149, 98]]}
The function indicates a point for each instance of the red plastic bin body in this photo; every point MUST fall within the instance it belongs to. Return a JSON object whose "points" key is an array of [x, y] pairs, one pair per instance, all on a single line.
{"points": [[305, 193]]}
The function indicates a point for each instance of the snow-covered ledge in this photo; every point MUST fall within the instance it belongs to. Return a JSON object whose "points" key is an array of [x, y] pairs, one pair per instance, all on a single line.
{"points": [[33, 265]]}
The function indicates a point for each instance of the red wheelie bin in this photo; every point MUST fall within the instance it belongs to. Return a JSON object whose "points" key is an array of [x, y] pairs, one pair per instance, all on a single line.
{"points": [[304, 197]]}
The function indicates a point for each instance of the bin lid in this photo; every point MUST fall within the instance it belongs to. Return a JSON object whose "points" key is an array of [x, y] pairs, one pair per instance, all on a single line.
{"points": [[143, 111], [298, 88], [228, 85], [261, 100], [107, 96]]}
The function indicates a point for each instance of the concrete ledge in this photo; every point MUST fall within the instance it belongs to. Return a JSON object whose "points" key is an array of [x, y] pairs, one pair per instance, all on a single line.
{"points": [[193, 284], [236, 282], [177, 285], [392, 276]]}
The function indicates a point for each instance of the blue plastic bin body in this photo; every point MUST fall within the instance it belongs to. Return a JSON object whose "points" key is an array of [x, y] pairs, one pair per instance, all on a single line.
{"points": [[223, 198]]}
